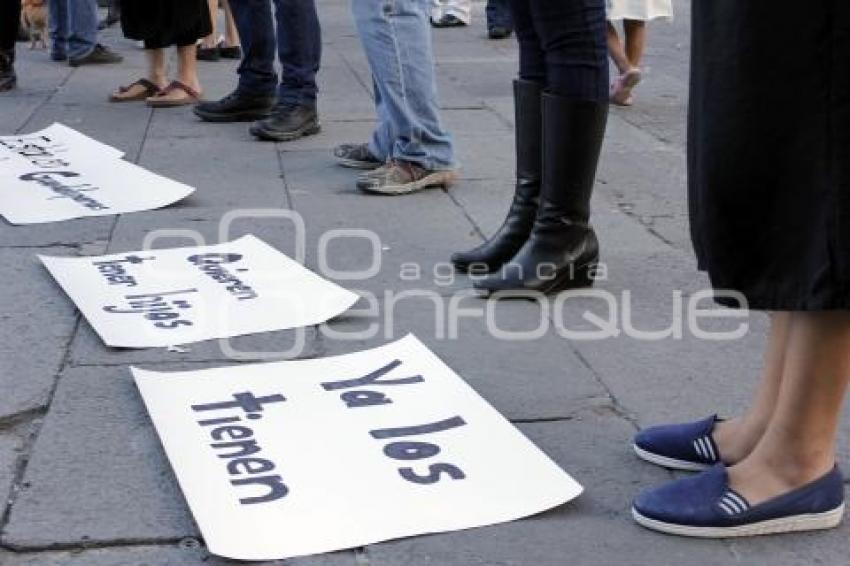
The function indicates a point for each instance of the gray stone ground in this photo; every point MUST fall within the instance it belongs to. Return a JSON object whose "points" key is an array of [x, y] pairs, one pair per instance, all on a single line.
{"points": [[85, 482]]}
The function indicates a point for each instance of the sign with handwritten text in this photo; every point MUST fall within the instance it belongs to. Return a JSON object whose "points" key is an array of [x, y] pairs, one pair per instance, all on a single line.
{"points": [[59, 174], [158, 298], [295, 458]]}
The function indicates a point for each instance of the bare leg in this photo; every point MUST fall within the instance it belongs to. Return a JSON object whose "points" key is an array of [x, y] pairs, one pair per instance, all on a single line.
{"points": [[736, 438], [799, 443], [187, 71], [616, 50], [210, 40], [231, 35], [157, 67], [635, 32]]}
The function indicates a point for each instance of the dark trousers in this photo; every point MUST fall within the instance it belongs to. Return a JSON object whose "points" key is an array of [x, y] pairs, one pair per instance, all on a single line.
{"points": [[562, 45], [499, 14], [298, 43], [10, 20]]}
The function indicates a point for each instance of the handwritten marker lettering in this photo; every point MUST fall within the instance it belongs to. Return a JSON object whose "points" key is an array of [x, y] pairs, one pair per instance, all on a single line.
{"points": [[212, 265], [53, 181], [164, 313], [401, 450], [39, 150], [116, 274], [236, 443]]}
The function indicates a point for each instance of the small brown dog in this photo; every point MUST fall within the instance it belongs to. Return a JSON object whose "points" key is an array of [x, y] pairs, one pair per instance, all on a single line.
{"points": [[34, 20]]}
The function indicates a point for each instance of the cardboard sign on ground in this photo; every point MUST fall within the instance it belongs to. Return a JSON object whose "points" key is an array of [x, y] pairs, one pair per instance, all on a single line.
{"points": [[294, 458], [59, 174], [158, 298]]}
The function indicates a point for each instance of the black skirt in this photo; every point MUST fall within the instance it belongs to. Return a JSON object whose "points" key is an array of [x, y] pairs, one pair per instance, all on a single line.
{"points": [[163, 23], [769, 151]]}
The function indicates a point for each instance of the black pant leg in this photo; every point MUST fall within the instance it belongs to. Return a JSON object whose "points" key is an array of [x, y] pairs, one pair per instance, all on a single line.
{"points": [[10, 18], [532, 59], [572, 37]]}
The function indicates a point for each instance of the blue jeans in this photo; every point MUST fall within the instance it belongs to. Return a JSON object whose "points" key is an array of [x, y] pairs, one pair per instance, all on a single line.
{"points": [[73, 26], [396, 36], [298, 43]]}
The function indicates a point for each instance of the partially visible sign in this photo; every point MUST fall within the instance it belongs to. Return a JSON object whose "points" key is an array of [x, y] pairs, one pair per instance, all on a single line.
{"points": [[159, 298], [60, 174], [294, 458]]}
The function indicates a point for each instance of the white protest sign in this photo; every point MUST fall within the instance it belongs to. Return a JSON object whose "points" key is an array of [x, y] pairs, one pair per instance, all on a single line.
{"points": [[54, 145], [294, 458], [60, 174], [158, 298]]}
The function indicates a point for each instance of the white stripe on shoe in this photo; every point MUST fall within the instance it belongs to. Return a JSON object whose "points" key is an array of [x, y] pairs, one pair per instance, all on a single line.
{"points": [[710, 446], [738, 500], [698, 448], [731, 506], [705, 452], [726, 508]]}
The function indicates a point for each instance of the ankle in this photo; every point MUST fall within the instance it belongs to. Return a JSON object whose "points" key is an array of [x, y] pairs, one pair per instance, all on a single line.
{"points": [[159, 80], [190, 80], [795, 467], [737, 438]]}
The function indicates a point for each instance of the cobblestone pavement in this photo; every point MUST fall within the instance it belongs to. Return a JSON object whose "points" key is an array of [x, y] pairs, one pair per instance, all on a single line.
{"points": [[87, 482]]}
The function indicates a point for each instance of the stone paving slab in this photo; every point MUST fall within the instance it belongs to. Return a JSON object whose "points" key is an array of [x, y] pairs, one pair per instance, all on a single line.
{"points": [[251, 179], [97, 120], [12, 446], [417, 234], [594, 529], [485, 157], [315, 171], [17, 111], [97, 473], [333, 134], [166, 555], [37, 325], [191, 225], [510, 373], [70, 233]]}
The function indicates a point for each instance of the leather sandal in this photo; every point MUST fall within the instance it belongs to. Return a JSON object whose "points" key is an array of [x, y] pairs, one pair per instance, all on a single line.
{"points": [[150, 90], [159, 100]]}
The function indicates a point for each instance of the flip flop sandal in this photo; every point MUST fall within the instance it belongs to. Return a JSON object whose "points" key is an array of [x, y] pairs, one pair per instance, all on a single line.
{"points": [[150, 90], [627, 82], [159, 100]]}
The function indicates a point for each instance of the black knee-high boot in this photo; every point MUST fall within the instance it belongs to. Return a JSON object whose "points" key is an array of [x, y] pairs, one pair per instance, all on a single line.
{"points": [[514, 232], [563, 251]]}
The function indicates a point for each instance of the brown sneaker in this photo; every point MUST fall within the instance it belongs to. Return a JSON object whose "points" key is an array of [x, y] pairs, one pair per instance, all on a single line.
{"points": [[402, 178]]}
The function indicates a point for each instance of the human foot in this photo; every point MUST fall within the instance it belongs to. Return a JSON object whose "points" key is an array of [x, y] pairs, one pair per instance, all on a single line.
{"points": [[685, 446], [139, 90], [707, 505], [175, 94], [737, 437], [699, 445], [759, 478], [621, 89]]}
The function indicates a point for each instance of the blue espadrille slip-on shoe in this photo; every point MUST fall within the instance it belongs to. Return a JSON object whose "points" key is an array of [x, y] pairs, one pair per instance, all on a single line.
{"points": [[688, 446], [705, 506]]}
